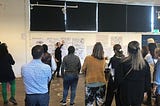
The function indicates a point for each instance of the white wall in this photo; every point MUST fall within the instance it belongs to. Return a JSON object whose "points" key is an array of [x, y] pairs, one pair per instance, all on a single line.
{"points": [[14, 30]]}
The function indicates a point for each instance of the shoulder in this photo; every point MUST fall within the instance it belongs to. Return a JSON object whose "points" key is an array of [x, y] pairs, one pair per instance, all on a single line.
{"points": [[45, 65], [76, 56], [89, 57]]}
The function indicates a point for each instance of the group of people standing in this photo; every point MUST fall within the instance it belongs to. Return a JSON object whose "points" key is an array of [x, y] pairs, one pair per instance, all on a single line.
{"points": [[129, 76]]}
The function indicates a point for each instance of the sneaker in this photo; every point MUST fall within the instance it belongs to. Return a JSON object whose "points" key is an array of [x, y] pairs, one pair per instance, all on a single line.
{"points": [[5, 102], [63, 103], [12, 100], [71, 104]]}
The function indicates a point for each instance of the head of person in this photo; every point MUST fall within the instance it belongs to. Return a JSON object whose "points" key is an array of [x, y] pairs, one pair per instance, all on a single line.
{"points": [[118, 50], [151, 48], [58, 44], [98, 51], [157, 52], [45, 47], [71, 50], [133, 47], [37, 52], [135, 55], [144, 51], [3, 49]]}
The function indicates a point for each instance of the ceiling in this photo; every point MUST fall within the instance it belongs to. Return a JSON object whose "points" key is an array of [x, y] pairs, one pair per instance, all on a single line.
{"points": [[141, 2]]}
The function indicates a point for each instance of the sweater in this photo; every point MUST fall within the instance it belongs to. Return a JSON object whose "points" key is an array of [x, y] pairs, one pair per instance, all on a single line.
{"points": [[94, 70]]}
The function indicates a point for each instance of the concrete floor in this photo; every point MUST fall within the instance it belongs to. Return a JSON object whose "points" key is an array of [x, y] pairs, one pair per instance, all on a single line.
{"points": [[55, 95]]}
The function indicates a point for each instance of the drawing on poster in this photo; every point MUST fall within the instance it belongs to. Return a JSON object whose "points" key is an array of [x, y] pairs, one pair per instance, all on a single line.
{"points": [[103, 39], [116, 40], [37, 41], [78, 43], [67, 43]]}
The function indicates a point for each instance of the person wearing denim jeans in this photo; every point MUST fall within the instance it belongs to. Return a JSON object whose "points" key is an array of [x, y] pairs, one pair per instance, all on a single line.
{"points": [[71, 64], [70, 80]]}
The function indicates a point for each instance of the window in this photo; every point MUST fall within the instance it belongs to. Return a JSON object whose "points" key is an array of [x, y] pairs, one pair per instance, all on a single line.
{"points": [[82, 18], [47, 18], [157, 17], [111, 18], [138, 18], [56, 15]]}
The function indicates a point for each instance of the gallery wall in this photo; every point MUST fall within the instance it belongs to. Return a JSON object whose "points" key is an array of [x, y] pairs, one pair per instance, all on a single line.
{"points": [[14, 30]]}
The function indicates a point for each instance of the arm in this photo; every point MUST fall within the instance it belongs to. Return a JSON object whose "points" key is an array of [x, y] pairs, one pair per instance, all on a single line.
{"points": [[62, 44], [157, 78], [79, 65], [11, 60], [62, 67], [157, 74], [84, 67], [53, 64]]}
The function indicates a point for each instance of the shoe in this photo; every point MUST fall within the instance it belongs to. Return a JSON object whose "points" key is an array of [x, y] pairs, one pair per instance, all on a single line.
{"points": [[72, 104], [63, 103], [12, 100], [58, 76], [6, 102]]}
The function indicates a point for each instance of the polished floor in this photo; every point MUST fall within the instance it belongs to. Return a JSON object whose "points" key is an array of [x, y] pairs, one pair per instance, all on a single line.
{"points": [[55, 95]]}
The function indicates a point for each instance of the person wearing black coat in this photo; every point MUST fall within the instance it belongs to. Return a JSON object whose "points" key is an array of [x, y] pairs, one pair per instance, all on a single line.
{"points": [[133, 77], [6, 74], [113, 63], [58, 57]]}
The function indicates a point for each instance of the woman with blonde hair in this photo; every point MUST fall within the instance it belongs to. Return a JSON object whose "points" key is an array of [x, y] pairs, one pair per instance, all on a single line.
{"points": [[95, 82], [134, 77]]}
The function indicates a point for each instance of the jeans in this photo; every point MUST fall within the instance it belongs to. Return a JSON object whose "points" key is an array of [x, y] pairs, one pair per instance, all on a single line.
{"points": [[37, 99], [70, 80]]}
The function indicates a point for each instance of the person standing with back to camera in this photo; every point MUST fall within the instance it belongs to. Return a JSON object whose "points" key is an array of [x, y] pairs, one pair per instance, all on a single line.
{"points": [[95, 82], [58, 57], [113, 63], [70, 70], [7, 74], [36, 76], [134, 77], [47, 58]]}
